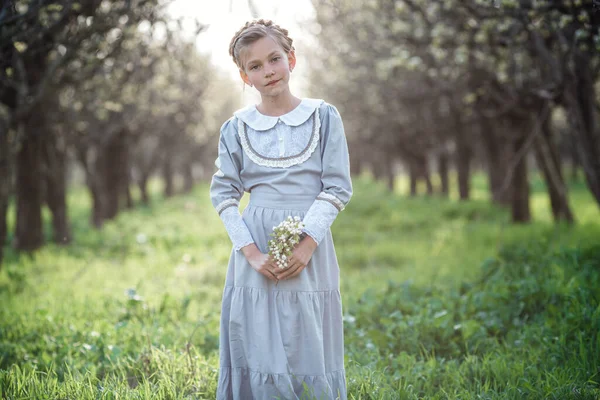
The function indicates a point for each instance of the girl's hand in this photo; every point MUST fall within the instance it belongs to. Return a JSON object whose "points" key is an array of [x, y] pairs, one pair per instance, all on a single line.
{"points": [[260, 262], [299, 259]]}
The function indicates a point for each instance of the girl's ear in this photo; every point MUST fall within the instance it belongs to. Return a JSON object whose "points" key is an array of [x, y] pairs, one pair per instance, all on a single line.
{"points": [[292, 60], [244, 77]]}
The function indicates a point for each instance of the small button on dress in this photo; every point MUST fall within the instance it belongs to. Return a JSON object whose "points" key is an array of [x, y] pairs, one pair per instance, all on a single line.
{"points": [[277, 340]]}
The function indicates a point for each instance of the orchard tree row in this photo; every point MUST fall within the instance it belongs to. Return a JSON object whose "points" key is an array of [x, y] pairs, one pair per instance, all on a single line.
{"points": [[110, 88], [462, 84]]}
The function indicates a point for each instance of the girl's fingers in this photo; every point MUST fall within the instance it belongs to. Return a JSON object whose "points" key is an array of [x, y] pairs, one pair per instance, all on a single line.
{"points": [[296, 273], [275, 269], [278, 270], [291, 272], [285, 274], [269, 275], [291, 266], [271, 266]]}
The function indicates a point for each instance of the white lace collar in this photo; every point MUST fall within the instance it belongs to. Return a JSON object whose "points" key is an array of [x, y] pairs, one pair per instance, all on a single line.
{"points": [[260, 122]]}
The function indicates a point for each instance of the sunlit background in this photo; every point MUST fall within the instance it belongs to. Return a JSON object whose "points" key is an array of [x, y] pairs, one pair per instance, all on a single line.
{"points": [[224, 18]]}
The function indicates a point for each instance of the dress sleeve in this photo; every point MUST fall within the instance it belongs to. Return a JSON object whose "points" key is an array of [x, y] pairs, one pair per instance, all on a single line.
{"points": [[335, 176], [226, 188]]}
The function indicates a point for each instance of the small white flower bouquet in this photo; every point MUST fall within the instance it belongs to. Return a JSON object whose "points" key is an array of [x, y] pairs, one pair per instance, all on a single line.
{"points": [[285, 236]]}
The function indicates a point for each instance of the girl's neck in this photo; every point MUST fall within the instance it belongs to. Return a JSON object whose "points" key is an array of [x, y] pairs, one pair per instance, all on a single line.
{"points": [[277, 106]]}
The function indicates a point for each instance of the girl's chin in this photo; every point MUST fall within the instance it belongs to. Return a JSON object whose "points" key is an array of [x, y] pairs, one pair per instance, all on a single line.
{"points": [[273, 91]]}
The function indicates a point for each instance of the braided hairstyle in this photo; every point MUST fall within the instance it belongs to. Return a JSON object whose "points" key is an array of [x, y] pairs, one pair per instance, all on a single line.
{"points": [[253, 31]]}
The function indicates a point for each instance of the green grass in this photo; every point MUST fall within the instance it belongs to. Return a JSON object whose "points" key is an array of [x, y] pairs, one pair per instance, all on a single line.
{"points": [[442, 300]]}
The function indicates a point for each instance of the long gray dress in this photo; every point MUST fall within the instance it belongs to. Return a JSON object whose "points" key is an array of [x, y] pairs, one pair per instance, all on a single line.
{"points": [[282, 341]]}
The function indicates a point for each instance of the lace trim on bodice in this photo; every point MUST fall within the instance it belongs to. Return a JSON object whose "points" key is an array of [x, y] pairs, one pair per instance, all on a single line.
{"points": [[281, 162]]}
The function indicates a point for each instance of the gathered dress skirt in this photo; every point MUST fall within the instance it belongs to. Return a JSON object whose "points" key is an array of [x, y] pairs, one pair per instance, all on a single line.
{"points": [[284, 340]]}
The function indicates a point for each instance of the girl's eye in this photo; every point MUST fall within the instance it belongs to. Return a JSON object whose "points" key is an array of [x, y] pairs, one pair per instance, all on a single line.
{"points": [[252, 68], [276, 59]]}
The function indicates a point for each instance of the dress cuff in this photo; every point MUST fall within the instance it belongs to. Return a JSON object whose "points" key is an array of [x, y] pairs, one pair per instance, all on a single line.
{"points": [[319, 217], [236, 227]]}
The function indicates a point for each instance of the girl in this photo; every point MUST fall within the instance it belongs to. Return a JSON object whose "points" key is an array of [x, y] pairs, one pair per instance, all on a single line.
{"points": [[281, 330]]}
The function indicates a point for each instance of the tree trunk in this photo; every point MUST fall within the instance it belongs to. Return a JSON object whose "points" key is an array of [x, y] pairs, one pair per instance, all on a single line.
{"points": [[129, 204], [125, 178], [167, 173], [54, 163], [548, 160], [113, 171], [188, 177], [355, 166], [378, 166], [497, 162], [582, 102], [29, 233], [419, 169], [413, 175], [463, 164], [92, 180], [389, 172], [570, 142], [520, 187], [5, 184], [443, 161], [107, 176], [143, 185], [575, 165], [97, 204], [422, 172], [125, 184], [426, 175]]}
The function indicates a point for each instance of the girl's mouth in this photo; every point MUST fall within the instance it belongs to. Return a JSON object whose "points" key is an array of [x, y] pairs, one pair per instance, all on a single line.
{"points": [[273, 82]]}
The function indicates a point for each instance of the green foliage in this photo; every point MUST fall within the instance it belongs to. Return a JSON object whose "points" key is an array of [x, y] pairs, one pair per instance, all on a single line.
{"points": [[442, 299], [531, 305]]}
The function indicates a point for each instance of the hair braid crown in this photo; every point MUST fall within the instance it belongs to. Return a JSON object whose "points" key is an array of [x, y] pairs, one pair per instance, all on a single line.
{"points": [[255, 30]]}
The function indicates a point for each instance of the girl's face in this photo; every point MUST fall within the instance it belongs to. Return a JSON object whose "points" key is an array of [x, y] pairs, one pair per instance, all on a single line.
{"points": [[267, 67]]}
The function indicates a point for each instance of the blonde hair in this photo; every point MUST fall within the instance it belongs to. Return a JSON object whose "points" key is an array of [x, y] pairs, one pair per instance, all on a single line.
{"points": [[253, 31]]}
